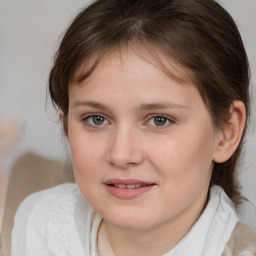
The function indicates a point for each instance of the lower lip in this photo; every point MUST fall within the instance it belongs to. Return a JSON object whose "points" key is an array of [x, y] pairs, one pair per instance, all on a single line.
{"points": [[128, 193]]}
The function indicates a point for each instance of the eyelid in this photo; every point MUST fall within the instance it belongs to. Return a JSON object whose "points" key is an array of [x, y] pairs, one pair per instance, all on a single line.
{"points": [[171, 120], [87, 116]]}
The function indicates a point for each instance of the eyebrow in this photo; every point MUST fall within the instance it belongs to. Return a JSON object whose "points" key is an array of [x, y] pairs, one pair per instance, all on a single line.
{"points": [[164, 105], [92, 104], [142, 107]]}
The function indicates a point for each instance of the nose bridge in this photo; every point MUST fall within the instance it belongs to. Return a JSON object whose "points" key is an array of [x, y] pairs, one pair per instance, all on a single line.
{"points": [[124, 149]]}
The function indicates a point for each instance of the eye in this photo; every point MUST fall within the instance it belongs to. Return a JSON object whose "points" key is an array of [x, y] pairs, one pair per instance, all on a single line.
{"points": [[95, 120], [160, 121]]}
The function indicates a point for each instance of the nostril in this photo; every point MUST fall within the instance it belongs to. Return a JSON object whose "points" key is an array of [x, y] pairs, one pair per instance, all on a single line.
{"points": [[125, 159]]}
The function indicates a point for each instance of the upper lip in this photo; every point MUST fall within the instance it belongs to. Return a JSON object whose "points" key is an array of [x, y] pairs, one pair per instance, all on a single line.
{"points": [[127, 182]]}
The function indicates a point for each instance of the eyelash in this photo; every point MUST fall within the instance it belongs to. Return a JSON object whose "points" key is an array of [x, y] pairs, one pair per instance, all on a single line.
{"points": [[87, 117], [166, 119]]}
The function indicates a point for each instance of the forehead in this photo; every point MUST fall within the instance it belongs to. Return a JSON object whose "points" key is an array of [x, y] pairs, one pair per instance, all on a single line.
{"points": [[136, 80], [149, 55]]}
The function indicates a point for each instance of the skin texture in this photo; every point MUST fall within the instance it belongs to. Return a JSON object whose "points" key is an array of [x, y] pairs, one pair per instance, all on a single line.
{"points": [[177, 157]]}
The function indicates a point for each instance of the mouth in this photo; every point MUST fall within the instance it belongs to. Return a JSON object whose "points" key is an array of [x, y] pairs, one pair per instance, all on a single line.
{"points": [[128, 188], [128, 183]]}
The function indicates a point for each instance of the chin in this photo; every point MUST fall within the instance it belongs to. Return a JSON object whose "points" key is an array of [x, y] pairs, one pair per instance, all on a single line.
{"points": [[128, 221]]}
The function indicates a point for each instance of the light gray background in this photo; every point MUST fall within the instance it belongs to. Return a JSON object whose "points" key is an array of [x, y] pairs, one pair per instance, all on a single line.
{"points": [[29, 35]]}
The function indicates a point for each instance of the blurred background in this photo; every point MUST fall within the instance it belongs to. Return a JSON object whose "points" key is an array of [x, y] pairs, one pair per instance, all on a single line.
{"points": [[30, 31]]}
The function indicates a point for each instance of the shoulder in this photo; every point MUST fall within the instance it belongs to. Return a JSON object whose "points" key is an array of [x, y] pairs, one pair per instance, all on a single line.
{"points": [[242, 241], [65, 196], [50, 194], [52, 220]]}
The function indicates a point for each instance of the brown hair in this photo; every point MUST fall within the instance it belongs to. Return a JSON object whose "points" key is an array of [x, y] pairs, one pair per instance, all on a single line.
{"points": [[198, 34]]}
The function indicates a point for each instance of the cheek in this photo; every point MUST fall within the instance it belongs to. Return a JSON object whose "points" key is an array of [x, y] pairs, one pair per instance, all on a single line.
{"points": [[86, 153], [183, 157], [86, 157]]}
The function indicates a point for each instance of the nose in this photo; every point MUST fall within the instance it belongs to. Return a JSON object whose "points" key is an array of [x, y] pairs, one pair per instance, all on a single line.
{"points": [[125, 149]]}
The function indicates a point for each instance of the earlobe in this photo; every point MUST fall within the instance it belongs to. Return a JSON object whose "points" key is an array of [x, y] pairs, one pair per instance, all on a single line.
{"points": [[231, 134], [61, 115]]}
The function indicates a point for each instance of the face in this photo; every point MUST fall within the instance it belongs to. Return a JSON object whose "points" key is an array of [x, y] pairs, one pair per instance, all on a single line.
{"points": [[142, 144]]}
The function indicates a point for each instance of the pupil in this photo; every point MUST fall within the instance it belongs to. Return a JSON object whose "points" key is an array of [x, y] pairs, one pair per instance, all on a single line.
{"points": [[159, 120], [98, 120]]}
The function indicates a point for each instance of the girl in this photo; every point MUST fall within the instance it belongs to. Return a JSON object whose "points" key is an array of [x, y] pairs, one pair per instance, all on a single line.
{"points": [[153, 98]]}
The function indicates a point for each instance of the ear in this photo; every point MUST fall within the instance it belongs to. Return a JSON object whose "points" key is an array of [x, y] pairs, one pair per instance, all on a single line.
{"points": [[229, 137], [61, 115]]}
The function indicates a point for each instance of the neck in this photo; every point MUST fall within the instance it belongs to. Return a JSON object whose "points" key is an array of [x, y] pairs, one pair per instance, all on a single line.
{"points": [[143, 242], [153, 241]]}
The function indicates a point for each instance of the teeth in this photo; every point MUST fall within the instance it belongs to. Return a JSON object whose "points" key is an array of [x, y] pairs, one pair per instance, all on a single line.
{"points": [[130, 186], [120, 185]]}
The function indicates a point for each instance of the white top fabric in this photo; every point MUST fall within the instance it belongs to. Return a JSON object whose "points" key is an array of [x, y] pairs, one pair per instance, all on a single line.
{"points": [[59, 222]]}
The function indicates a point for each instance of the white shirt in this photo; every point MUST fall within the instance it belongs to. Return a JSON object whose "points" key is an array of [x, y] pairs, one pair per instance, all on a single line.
{"points": [[59, 222]]}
